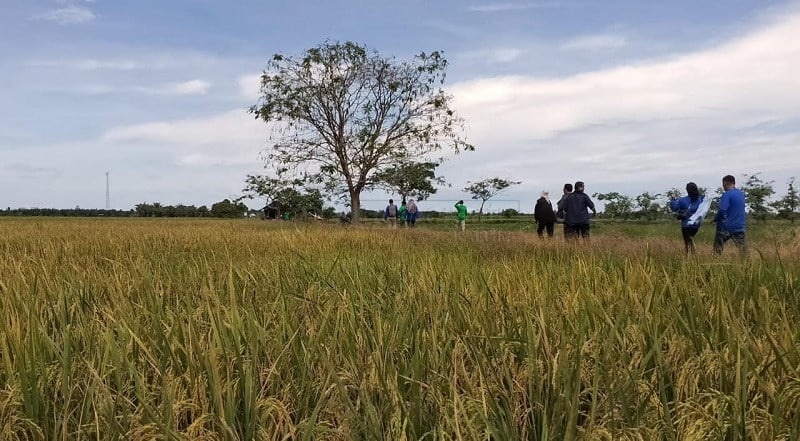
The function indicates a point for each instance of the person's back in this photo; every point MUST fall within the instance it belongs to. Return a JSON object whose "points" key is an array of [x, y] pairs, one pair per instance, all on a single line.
{"points": [[543, 212], [575, 208], [732, 207], [686, 207]]}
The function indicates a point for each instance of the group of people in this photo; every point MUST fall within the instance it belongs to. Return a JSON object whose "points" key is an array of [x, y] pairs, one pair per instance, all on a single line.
{"points": [[575, 210], [575, 204], [406, 214]]}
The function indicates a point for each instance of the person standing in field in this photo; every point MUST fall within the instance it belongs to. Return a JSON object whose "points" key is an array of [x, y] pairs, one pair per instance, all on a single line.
{"points": [[731, 217], [412, 213], [403, 213], [685, 207], [560, 213], [461, 215], [544, 215], [390, 214], [575, 207]]}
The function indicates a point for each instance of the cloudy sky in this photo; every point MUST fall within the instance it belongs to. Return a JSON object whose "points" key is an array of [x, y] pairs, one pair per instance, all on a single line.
{"points": [[624, 94]]}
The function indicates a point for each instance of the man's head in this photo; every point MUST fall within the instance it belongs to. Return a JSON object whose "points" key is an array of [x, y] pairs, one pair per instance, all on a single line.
{"points": [[579, 187], [567, 188], [728, 182], [391, 201]]}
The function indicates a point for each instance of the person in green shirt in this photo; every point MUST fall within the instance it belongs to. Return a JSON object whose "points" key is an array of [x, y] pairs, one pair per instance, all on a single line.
{"points": [[402, 213], [461, 215]]}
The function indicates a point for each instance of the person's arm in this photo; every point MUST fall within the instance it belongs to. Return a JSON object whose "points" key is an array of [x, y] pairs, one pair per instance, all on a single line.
{"points": [[724, 204], [675, 205], [386, 213], [590, 204]]}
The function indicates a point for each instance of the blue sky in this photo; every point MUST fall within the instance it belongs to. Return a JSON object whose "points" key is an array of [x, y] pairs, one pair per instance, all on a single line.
{"points": [[626, 95]]}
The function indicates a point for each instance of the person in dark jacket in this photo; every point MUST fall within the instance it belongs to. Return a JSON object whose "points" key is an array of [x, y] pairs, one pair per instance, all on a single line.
{"points": [[685, 207], [560, 213], [576, 216], [544, 215]]}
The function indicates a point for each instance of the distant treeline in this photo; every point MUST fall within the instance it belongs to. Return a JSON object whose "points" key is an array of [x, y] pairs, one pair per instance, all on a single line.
{"points": [[222, 209]]}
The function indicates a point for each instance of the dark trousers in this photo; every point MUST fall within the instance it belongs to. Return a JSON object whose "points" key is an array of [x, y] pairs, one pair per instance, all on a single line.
{"points": [[724, 236], [550, 226], [576, 231], [688, 238]]}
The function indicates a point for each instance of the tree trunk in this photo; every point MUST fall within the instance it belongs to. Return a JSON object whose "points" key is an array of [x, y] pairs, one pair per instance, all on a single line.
{"points": [[355, 207], [480, 212]]}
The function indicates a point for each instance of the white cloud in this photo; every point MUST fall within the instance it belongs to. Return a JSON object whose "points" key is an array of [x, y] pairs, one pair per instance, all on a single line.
{"points": [[86, 64], [230, 138], [690, 114], [249, 86], [192, 87], [69, 15], [595, 42], [503, 7]]}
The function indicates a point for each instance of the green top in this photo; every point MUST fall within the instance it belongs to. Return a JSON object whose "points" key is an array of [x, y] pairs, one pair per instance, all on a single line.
{"points": [[462, 211], [403, 210]]}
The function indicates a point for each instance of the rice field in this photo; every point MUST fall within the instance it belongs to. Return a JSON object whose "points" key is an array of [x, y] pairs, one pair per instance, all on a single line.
{"points": [[143, 329]]}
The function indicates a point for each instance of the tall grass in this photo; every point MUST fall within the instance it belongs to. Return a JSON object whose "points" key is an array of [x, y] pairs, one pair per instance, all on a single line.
{"points": [[215, 330]]}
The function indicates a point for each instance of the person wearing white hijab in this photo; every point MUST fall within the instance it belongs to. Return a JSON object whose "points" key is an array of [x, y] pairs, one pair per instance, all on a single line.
{"points": [[544, 215]]}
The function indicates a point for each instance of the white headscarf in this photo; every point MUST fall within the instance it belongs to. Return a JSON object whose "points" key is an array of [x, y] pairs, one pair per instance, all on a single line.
{"points": [[546, 195], [411, 207]]}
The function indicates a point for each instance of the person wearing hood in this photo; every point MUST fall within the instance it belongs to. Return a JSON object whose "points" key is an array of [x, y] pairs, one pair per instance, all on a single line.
{"points": [[412, 213], [544, 215], [684, 208]]}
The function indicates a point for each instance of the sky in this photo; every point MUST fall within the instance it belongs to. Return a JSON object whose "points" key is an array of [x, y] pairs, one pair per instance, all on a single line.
{"points": [[625, 95]]}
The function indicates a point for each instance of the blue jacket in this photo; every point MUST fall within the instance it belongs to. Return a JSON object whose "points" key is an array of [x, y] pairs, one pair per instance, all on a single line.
{"points": [[732, 216], [686, 207]]}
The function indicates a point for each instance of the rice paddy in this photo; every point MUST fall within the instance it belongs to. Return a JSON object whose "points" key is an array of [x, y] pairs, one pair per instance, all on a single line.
{"points": [[142, 329]]}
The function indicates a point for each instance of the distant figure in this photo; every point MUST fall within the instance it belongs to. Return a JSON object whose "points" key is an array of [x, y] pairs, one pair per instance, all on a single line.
{"points": [[685, 208], [390, 214], [576, 217], [731, 217], [461, 215], [412, 213], [544, 215], [560, 213], [403, 213]]}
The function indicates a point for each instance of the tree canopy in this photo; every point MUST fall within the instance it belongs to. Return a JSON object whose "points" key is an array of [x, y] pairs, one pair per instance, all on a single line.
{"points": [[487, 189], [345, 114], [411, 179]]}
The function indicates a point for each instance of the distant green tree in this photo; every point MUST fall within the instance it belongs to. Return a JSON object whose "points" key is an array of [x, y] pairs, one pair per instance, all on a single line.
{"points": [[757, 193], [228, 209], [509, 212], [648, 205], [410, 179], [787, 207], [616, 205], [487, 189]]}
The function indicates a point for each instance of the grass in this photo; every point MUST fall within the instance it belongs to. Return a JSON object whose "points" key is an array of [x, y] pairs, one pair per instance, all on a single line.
{"points": [[240, 330]]}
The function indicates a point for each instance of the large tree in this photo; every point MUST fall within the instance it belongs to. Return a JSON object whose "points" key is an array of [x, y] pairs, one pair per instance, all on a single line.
{"points": [[289, 195], [616, 205], [343, 113], [411, 179], [487, 189]]}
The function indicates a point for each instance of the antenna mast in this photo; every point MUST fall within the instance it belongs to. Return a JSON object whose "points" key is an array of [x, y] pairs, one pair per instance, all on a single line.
{"points": [[108, 194]]}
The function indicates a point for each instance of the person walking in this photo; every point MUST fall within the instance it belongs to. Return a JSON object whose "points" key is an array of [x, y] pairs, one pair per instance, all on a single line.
{"points": [[403, 213], [731, 217], [412, 213], [390, 214], [560, 213], [461, 215], [685, 208], [544, 215], [576, 217]]}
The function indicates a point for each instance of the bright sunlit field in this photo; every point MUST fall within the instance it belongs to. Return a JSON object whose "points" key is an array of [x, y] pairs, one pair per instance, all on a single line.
{"points": [[148, 329]]}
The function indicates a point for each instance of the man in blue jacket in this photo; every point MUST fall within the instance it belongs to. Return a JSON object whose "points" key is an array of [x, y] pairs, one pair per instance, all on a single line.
{"points": [[575, 207], [731, 218]]}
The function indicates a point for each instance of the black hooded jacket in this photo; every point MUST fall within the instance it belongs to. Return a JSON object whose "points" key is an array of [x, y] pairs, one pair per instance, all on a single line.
{"points": [[543, 213]]}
